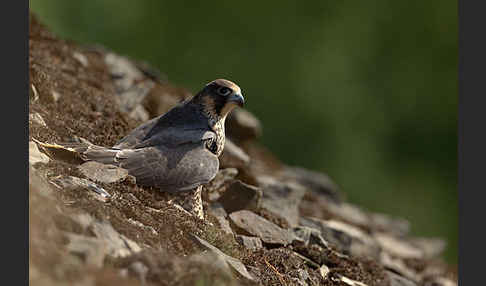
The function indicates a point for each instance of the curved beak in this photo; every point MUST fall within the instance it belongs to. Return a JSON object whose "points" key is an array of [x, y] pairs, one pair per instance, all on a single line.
{"points": [[237, 98]]}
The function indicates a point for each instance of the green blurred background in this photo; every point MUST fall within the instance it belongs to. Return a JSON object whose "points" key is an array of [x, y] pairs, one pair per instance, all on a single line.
{"points": [[365, 91]]}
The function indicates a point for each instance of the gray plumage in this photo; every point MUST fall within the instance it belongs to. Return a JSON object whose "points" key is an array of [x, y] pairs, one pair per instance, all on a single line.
{"points": [[177, 151], [170, 152]]}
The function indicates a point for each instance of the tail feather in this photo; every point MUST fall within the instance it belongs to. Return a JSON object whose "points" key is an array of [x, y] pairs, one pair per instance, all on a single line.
{"points": [[79, 152], [100, 154]]}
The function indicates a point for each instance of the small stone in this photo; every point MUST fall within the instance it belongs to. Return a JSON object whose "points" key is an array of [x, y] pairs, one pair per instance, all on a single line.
{"points": [[251, 243], [81, 58], [34, 93], [324, 270], [102, 173], [255, 225], [240, 196], [234, 263], [36, 156], [55, 95]]}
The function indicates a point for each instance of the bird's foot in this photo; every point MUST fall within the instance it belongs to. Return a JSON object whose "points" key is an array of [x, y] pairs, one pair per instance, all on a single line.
{"points": [[190, 201]]}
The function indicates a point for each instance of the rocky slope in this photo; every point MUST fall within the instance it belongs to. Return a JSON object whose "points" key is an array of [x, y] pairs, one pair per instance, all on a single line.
{"points": [[266, 223]]}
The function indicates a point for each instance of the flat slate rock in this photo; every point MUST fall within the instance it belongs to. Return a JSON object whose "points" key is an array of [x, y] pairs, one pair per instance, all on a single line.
{"points": [[256, 225], [102, 173], [282, 199], [234, 263], [240, 196]]}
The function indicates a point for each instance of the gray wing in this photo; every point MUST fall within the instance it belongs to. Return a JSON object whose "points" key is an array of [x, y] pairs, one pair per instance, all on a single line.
{"points": [[136, 135], [180, 125], [170, 169]]}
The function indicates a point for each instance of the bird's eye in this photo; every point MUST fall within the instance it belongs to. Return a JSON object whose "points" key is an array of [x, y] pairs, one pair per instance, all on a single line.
{"points": [[224, 91]]}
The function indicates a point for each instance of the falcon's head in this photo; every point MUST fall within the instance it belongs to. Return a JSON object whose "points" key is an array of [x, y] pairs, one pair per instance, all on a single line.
{"points": [[219, 97]]}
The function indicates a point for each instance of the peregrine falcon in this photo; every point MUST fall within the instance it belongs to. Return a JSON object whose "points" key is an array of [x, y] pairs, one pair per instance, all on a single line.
{"points": [[176, 152]]}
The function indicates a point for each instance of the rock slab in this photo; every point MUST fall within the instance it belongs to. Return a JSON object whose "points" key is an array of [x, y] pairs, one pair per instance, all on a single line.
{"points": [[102, 173], [234, 263], [282, 199], [253, 224], [240, 196]]}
